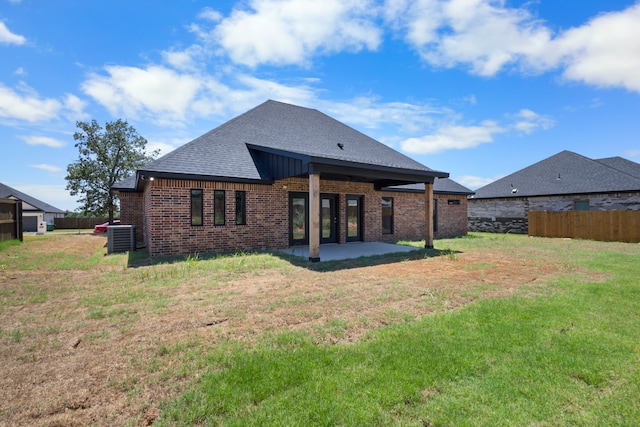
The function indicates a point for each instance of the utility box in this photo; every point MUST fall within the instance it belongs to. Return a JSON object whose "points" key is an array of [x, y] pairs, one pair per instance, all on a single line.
{"points": [[42, 227], [121, 238]]}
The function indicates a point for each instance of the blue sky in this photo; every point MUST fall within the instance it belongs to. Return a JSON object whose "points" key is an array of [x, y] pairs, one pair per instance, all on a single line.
{"points": [[477, 88]]}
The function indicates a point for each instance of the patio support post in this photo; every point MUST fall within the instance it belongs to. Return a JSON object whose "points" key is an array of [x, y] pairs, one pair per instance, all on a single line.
{"points": [[428, 215], [314, 217]]}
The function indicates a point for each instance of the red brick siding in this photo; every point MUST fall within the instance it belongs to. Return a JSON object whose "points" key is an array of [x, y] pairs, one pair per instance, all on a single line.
{"points": [[452, 219], [131, 212], [166, 224]]}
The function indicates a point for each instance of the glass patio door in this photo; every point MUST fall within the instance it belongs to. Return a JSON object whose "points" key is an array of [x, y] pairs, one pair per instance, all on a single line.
{"points": [[354, 218], [328, 218], [298, 219]]}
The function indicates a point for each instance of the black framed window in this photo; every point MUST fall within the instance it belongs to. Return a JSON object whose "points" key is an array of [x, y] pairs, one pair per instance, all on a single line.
{"points": [[218, 207], [387, 215], [196, 207], [241, 207]]}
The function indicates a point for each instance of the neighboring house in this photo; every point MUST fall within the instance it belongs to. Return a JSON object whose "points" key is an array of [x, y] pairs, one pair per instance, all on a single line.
{"points": [[277, 176], [34, 211], [563, 182]]}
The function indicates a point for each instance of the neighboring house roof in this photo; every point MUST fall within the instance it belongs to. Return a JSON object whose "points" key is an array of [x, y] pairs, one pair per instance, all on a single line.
{"points": [[566, 173], [7, 192], [274, 140], [623, 165], [440, 186]]}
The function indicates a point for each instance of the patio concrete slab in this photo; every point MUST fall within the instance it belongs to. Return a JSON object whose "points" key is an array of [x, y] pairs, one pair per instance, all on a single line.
{"points": [[336, 252]]}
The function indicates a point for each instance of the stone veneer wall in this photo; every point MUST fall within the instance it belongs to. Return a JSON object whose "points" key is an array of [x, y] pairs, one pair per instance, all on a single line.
{"points": [[166, 226], [510, 215]]}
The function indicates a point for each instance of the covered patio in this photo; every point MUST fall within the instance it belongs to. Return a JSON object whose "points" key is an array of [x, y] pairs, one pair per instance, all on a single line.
{"points": [[351, 250]]}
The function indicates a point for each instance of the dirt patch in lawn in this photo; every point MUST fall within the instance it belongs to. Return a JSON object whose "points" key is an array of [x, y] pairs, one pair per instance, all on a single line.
{"points": [[104, 345]]}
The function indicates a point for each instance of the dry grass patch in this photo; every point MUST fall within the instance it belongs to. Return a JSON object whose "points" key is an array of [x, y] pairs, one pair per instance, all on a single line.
{"points": [[104, 344]]}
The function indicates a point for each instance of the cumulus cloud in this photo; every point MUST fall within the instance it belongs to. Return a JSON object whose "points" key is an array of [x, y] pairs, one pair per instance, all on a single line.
{"points": [[7, 37], [459, 137], [43, 140], [604, 52], [488, 37], [480, 33], [154, 90], [527, 121], [282, 32], [453, 137], [169, 97], [25, 104]]}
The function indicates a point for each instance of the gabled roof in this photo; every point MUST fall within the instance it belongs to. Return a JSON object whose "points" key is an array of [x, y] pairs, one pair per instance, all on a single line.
{"points": [[246, 148], [565, 173], [7, 192], [440, 186]]}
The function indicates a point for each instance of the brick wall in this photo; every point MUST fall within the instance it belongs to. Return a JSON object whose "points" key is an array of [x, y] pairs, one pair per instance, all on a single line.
{"points": [[131, 212], [166, 225]]}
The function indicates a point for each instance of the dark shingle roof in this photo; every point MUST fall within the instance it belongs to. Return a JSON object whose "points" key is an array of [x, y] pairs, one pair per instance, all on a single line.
{"points": [[276, 127], [7, 192], [563, 173], [623, 165], [440, 185]]}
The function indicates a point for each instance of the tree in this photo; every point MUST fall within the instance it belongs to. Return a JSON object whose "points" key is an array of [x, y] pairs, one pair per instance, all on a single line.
{"points": [[106, 156]]}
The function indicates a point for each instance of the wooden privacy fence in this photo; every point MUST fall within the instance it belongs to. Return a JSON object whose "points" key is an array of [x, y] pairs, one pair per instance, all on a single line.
{"points": [[608, 226], [77, 223], [10, 219]]}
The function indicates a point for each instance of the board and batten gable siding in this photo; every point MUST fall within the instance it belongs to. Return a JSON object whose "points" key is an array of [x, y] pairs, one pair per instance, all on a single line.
{"points": [[510, 215]]}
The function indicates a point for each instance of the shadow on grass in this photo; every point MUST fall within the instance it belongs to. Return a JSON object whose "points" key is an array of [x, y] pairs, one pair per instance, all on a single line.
{"points": [[141, 258], [363, 261]]}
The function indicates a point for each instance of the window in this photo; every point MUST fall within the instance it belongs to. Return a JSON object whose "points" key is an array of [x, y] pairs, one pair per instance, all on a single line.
{"points": [[196, 207], [581, 205], [218, 207], [453, 201], [435, 215], [387, 215], [241, 207]]}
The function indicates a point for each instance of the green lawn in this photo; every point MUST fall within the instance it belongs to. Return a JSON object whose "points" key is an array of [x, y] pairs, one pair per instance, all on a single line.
{"points": [[565, 356], [487, 330]]}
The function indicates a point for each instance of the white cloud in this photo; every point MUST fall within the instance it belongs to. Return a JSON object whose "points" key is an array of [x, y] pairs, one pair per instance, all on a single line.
{"points": [[488, 37], [7, 37], [43, 140], [26, 105], [481, 33], [474, 182], [282, 32], [74, 108], [48, 168], [604, 52], [527, 121], [169, 98], [155, 91], [453, 137], [369, 112], [210, 14]]}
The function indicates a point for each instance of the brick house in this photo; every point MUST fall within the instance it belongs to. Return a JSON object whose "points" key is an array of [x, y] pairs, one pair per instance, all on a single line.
{"points": [[281, 175], [563, 182]]}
